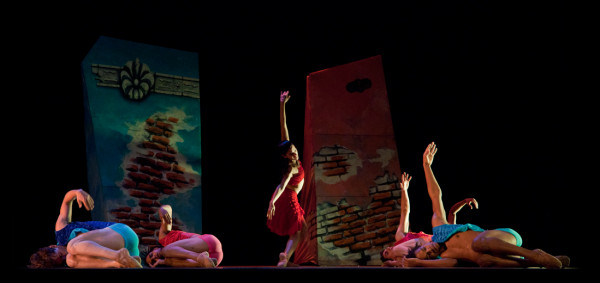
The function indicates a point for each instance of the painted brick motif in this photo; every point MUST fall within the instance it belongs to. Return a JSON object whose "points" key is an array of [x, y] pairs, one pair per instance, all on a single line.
{"points": [[142, 130], [353, 234], [152, 173], [351, 190]]}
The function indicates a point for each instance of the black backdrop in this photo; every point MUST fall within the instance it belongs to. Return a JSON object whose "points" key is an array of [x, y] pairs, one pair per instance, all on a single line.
{"points": [[488, 82]]}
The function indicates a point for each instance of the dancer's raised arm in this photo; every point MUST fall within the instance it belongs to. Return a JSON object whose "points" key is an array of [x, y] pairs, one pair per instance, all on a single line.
{"points": [[66, 207], [283, 99], [458, 206], [403, 227]]}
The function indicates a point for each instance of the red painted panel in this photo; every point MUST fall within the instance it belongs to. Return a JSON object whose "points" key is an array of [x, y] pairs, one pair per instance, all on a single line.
{"points": [[351, 193]]}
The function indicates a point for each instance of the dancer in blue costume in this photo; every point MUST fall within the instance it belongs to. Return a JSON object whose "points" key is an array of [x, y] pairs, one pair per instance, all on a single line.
{"points": [[468, 242], [88, 244]]}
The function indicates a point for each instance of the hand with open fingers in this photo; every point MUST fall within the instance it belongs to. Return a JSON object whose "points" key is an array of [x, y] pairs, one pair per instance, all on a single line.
{"points": [[405, 180], [429, 154]]}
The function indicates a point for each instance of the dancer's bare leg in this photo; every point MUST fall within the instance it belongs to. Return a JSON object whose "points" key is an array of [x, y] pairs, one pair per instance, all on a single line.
{"points": [[104, 244], [193, 248], [88, 254], [178, 262], [433, 188], [84, 261], [290, 247], [503, 243]]}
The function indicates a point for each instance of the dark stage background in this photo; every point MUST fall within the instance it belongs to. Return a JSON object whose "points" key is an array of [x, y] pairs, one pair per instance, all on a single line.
{"points": [[488, 81]]}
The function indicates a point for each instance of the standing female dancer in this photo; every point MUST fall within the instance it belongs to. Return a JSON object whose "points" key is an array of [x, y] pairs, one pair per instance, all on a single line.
{"points": [[288, 219], [183, 249]]}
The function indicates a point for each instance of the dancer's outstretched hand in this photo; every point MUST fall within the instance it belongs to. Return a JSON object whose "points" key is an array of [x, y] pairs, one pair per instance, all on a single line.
{"points": [[405, 180], [472, 203], [409, 262], [284, 96], [84, 199], [429, 154], [271, 210]]}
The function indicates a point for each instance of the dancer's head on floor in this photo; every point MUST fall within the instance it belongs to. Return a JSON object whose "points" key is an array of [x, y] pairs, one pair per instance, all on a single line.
{"points": [[405, 249], [431, 250], [49, 257]]}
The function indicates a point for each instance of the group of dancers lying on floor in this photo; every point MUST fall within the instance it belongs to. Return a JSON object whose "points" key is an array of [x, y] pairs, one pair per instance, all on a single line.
{"points": [[98, 244], [95, 244], [452, 244]]}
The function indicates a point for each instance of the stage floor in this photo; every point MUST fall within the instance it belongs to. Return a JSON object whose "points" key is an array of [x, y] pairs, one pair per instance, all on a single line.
{"points": [[310, 274]]}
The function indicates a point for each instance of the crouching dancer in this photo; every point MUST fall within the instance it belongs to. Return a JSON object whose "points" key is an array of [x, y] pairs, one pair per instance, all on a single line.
{"points": [[88, 244], [183, 249]]}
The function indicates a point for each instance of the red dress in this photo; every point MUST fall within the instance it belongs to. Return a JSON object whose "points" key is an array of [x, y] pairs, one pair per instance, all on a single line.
{"points": [[289, 215]]}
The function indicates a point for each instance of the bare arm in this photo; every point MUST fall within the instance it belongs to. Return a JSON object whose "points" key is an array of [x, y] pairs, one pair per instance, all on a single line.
{"points": [[83, 199], [278, 191], [403, 227], [283, 99], [415, 262], [458, 206], [433, 188]]}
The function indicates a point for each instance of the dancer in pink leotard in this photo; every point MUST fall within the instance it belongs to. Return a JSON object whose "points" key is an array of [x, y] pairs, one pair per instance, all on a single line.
{"points": [[183, 249]]}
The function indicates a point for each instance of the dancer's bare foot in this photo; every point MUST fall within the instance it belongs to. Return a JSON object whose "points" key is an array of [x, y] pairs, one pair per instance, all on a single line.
{"points": [[165, 213], [214, 261], [546, 260], [283, 261], [204, 260], [126, 260], [565, 260]]}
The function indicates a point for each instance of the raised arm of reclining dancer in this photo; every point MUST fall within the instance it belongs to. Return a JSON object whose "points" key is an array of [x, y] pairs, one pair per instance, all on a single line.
{"points": [[66, 207], [458, 206], [403, 227]]}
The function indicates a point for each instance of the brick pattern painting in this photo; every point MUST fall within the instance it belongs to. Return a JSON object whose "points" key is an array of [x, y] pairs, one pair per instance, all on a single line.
{"points": [[352, 234], [351, 191], [152, 173], [142, 126]]}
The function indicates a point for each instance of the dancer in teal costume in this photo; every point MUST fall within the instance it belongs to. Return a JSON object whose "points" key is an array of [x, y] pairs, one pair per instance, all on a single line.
{"points": [[89, 244], [452, 243]]}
